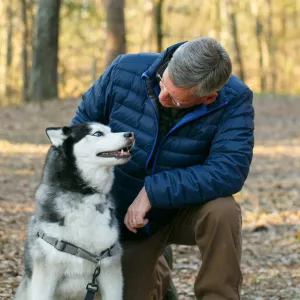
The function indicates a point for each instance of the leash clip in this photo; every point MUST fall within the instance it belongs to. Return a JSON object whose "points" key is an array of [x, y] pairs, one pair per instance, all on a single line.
{"points": [[92, 287], [96, 272]]}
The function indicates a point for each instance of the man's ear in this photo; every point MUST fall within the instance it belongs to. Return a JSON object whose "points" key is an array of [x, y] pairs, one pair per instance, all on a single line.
{"points": [[210, 99], [57, 135]]}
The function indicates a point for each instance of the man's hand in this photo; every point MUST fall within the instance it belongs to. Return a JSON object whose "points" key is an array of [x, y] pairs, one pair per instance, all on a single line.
{"points": [[137, 211]]}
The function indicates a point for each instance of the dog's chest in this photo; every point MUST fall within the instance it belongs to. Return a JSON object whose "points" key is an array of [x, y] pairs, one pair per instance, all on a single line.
{"points": [[91, 224], [93, 211]]}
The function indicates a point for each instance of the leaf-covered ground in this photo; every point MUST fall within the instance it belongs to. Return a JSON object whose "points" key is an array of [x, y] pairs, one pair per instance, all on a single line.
{"points": [[270, 199]]}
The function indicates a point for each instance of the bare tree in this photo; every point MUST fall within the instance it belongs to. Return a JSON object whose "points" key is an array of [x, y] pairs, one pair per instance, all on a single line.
{"points": [[115, 32], [44, 79], [258, 33], [271, 46], [24, 51], [237, 55], [283, 34], [159, 23], [9, 48], [31, 20]]}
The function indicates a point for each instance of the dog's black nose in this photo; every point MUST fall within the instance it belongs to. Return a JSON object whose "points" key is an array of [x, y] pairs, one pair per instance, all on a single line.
{"points": [[128, 134]]}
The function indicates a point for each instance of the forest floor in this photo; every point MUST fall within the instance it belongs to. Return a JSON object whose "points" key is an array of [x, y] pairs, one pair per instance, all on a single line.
{"points": [[270, 198]]}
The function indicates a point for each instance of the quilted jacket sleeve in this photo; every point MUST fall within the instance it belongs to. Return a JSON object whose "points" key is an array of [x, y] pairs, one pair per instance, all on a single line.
{"points": [[225, 169], [95, 104]]}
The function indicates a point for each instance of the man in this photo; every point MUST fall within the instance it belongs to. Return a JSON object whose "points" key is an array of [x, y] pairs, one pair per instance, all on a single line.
{"points": [[193, 123]]}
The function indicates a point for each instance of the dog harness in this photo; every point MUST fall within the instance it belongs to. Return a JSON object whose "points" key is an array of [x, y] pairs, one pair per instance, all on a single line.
{"points": [[74, 250], [63, 246]]}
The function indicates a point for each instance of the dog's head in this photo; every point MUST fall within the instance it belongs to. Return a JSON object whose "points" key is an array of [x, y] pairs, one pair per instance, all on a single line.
{"points": [[92, 144]]}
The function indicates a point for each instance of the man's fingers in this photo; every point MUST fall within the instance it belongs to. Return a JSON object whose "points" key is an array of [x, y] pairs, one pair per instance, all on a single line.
{"points": [[134, 220], [125, 221], [134, 217], [132, 229], [145, 222], [137, 211], [128, 224], [139, 220]]}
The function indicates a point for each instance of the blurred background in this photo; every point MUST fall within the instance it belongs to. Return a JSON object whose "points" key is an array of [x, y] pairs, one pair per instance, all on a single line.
{"points": [[58, 48], [51, 51]]}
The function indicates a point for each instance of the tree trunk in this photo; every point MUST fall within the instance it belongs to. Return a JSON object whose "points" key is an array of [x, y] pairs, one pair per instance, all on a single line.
{"points": [[31, 19], [258, 34], [284, 73], [271, 48], [9, 50], [259, 30], [235, 42], [24, 51], [44, 79], [159, 23], [115, 33]]}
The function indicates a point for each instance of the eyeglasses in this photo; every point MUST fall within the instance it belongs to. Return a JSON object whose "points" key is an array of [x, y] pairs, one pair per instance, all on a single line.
{"points": [[172, 98]]}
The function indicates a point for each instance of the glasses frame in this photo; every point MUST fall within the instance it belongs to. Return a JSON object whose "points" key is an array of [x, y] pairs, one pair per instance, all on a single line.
{"points": [[172, 98]]}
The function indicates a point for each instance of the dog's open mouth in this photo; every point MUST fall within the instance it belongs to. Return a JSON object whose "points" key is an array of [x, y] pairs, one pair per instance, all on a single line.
{"points": [[122, 153]]}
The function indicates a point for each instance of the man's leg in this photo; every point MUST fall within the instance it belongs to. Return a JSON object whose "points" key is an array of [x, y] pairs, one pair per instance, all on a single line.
{"points": [[216, 228], [167, 262], [146, 273]]}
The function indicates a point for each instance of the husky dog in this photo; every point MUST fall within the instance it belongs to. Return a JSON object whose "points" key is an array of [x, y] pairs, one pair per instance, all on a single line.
{"points": [[74, 233]]}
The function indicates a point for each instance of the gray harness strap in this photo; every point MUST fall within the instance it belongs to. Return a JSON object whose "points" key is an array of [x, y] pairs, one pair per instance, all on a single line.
{"points": [[74, 250]]}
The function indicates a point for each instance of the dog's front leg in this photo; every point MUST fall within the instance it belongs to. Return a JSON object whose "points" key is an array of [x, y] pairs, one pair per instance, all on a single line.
{"points": [[111, 279], [43, 282]]}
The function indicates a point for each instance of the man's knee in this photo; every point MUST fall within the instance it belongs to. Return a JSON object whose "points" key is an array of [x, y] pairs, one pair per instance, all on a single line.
{"points": [[222, 211]]}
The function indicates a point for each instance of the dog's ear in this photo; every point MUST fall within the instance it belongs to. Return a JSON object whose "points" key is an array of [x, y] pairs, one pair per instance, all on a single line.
{"points": [[57, 135], [67, 130]]}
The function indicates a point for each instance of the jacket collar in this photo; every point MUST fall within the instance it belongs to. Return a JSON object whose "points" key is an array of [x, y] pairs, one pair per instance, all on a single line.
{"points": [[200, 111]]}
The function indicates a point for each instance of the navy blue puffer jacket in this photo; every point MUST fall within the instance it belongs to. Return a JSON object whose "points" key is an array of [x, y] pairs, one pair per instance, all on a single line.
{"points": [[205, 156]]}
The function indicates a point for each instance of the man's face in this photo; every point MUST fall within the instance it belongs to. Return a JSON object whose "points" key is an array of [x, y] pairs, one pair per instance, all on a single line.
{"points": [[175, 97]]}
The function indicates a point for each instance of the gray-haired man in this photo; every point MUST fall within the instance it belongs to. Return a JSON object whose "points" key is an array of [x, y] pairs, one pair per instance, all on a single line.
{"points": [[193, 123]]}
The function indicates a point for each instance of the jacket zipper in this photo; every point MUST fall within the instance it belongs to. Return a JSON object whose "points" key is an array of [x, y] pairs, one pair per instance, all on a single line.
{"points": [[156, 123], [178, 125]]}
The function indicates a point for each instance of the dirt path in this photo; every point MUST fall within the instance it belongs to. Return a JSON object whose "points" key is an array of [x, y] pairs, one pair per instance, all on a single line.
{"points": [[270, 199]]}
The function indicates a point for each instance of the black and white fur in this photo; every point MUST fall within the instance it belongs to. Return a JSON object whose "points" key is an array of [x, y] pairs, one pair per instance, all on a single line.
{"points": [[72, 204]]}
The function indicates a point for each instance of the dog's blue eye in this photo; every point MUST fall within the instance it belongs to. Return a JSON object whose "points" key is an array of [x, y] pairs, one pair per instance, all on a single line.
{"points": [[98, 133]]}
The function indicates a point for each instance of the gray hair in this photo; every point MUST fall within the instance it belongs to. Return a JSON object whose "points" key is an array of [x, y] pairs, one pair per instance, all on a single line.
{"points": [[201, 65]]}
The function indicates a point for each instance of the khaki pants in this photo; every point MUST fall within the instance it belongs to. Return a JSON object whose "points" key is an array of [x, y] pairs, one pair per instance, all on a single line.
{"points": [[215, 227]]}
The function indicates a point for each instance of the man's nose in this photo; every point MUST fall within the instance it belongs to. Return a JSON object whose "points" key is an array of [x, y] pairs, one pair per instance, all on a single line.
{"points": [[163, 95]]}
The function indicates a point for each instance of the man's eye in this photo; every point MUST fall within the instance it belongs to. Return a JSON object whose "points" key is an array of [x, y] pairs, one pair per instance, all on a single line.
{"points": [[98, 133]]}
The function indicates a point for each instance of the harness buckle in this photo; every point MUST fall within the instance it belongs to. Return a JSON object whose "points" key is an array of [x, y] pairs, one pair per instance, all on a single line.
{"points": [[60, 245], [40, 234]]}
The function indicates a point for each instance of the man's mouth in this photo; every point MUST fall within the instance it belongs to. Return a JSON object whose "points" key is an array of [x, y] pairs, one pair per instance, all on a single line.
{"points": [[122, 153]]}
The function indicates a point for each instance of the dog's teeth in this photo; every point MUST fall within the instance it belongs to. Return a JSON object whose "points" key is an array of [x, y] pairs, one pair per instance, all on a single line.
{"points": [[122, 152]]}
